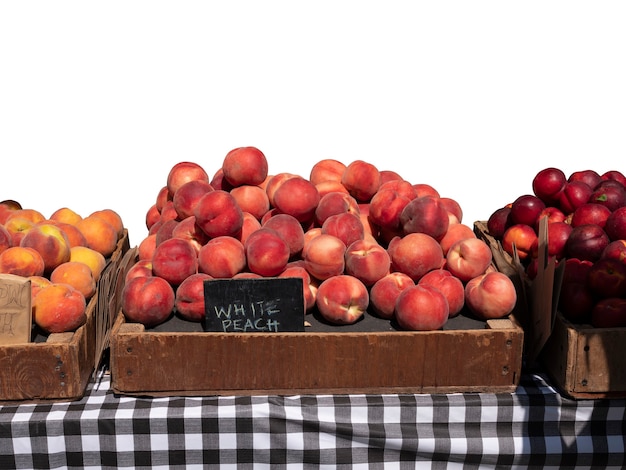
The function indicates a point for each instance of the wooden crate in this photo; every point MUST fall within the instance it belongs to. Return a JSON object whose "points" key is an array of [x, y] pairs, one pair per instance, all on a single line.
{"points": [[586, 362], [58, 367], [178, 358]]}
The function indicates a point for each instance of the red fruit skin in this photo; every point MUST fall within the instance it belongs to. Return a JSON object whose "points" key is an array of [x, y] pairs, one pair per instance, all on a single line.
{"points": [[609, 313], [609, 193], [548, 184], [526, 209], [499, 221], [590, 177], [614, 175], [574, 194], [586, 242], [615, 225]]}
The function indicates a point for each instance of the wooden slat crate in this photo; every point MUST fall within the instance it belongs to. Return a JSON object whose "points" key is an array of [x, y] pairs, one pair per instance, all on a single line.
{"points": [[178, 358], [59, 367]]}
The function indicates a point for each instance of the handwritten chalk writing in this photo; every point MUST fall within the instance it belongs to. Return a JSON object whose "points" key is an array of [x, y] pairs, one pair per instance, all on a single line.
{"points": [[12, 295], [253, 309], [6, 323], [247, 324]]}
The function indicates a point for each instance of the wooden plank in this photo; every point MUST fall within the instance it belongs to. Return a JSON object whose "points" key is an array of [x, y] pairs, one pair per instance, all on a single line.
{"points": [[207, 363]]}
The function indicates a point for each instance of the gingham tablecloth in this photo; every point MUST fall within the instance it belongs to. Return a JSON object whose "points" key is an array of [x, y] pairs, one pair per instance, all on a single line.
{"points": [[534, 427]]}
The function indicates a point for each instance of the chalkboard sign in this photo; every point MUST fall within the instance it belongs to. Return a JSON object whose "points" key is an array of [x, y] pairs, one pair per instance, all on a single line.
{"points": [[264, 305]]}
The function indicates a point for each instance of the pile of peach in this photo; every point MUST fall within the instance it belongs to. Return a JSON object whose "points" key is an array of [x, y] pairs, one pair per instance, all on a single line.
{"points": [[63, 256], [362, 240], [586, 215]]}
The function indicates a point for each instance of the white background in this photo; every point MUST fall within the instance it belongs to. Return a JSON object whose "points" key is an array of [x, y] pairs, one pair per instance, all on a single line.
{"points": [[98, 100]]}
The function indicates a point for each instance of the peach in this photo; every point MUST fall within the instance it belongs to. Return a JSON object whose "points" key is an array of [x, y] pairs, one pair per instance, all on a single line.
{"points": [[326, 187], [59, 308], [163, 197], [288, 227], [297, 197], [425, 214], [308, 236], [421, 308], [183, 172], [245, 165], [65, 215], [490, 295], [367, 260], [250, 224], [324, 256], [455, 233], [74, 236], [415, 254], [558, 234], [345, 226], [168, 212], [586, 242], [142, 268], [152, 216], [187, 196], [112, 217], [307, 291], [609, 313], [174, 260], [526, 209], [99, 233], [453, 207], [387, 205], [36, 284], [219, 182], [22, 261], [78, 275], [499, 221], [468, 258], [523, 237], [267, 253], [165, 231], [29, 214], [327, 169], [450, 286], [189, 297], [189, 230], [148, 300], [146, 247], [335, 202], [17, 227], [274, 182], [6, 240], [51, 243], [389, 175], [425, 189], [92, 258], [222, 257], [342, 299], [361, 179], [217, 213], [6, 208], [247, 275], [252, 199], [384, 293]]}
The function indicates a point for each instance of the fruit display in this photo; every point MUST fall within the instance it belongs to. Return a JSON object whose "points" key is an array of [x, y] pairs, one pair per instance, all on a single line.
{"points": [[63, 255], [365, 241], [586, 231]]}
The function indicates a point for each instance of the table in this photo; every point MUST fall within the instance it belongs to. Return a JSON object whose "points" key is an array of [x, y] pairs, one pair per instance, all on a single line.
{"points": [[533, 427]]}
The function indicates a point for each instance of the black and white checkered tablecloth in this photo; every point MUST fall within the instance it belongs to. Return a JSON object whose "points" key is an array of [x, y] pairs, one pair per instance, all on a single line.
{"points": [[532, 428]]}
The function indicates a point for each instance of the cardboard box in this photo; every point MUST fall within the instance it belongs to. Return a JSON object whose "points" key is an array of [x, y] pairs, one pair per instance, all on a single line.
{"points": [[58, 367], [179, 358]]}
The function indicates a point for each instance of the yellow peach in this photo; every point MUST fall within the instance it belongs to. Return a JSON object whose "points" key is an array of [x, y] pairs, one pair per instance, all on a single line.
{"points": [[51, 242], [59, 308], [78, 275], [100, 234], [66, 215], [111, 217], [21, 261], [92, 258]]}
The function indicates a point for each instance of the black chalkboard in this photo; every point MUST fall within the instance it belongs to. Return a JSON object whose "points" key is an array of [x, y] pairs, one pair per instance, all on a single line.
{"points": [[264, 305]]}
